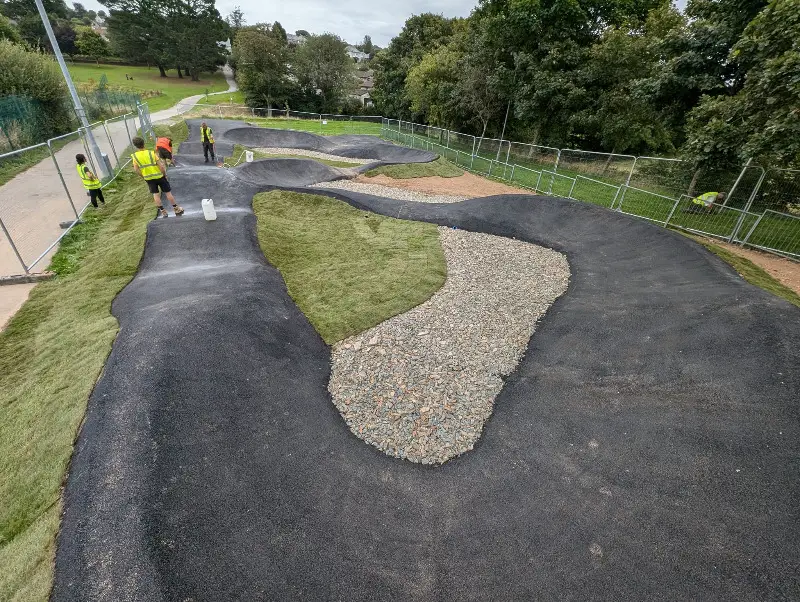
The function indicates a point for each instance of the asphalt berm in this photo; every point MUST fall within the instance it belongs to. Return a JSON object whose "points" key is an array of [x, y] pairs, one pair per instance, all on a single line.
{"points": [[647, 447]]}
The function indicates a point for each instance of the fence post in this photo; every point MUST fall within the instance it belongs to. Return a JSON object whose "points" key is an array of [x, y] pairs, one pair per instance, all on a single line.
{"points": [[473, 145], [630, 173], [672, 211], [622, 198], [127, 129], [538, 181], [748, 205], [736, 183], [82, 136], [558, 158], [571, 188], [13, 246], [61, 177], [110, 141], [752, 229]]}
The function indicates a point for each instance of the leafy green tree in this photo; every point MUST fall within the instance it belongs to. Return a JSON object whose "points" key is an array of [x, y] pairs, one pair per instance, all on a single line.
{"points": [[323, 71], [198, 29], [92, 44], [302, 32], [236, 20], [420, 34], [762, 119], [141, 30], [432, 86], [367, 46], [278, 32], [262, 67], [8, 31], [17, 9]]}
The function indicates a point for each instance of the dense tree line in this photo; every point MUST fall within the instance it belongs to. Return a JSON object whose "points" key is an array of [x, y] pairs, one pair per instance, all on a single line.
{"points": [[315, 76], [182, 34], [717, 84], [20, 22]]}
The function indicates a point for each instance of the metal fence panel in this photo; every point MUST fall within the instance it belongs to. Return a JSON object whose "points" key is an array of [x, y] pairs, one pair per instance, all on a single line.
{"points": [[606, 167], [775, 232], [647, 205], [533, 156]]}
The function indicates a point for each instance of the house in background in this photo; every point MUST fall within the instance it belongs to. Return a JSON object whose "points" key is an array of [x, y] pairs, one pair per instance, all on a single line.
{"points": [[294, 39], [355, 54], [365, 81]]}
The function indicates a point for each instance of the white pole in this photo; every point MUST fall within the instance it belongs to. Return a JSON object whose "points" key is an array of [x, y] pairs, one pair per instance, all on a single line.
{"points": [[99, 163]]}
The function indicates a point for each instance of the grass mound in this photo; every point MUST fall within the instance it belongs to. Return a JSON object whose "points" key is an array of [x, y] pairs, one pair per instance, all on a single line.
{"points": [[405, 171], [346, 269], [51, 354], [238, 150]]}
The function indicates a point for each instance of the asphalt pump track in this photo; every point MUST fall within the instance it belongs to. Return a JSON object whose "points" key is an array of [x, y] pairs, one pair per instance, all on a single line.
{"points": [[646, 447]]}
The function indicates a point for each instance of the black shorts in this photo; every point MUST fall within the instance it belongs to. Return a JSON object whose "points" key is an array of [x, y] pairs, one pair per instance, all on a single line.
{"points": [[161, 184], [164, 153]]}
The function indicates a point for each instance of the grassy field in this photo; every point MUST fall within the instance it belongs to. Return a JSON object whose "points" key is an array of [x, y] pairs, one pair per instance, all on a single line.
{"points": [[232, 98], [51, 354], [315, 126], [404, 171], [238, 151], [348, 270], [172, 88]]}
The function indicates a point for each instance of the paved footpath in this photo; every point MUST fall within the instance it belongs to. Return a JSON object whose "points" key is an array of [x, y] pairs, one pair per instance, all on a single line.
{"points": [[647, 447], [33, 204]]}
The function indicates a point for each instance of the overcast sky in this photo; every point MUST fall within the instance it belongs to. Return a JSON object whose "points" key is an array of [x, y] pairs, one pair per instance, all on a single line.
{"points": [[381, 19]]}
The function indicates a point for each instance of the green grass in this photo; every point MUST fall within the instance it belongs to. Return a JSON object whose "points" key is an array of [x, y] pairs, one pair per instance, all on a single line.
{"points": [[751, 272], [146, 79], [13, 166], [332, 128], [235, 98], [440, 167], [51, 354], [238, 150], [347, 270]]}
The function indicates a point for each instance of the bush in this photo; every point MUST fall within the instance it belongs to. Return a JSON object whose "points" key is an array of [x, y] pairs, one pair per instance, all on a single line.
{"points": [[35, 76]]}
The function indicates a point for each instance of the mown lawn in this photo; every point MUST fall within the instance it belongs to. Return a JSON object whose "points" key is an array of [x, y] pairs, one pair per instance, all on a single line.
{"points": [[51, 354], [315, 126], [231, 98], [346, 269], [146, 79]]}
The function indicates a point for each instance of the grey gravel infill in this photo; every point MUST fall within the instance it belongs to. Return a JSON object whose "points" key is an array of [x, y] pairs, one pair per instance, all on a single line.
{"points": [[388, 192], [421, 385], [312, 155]]}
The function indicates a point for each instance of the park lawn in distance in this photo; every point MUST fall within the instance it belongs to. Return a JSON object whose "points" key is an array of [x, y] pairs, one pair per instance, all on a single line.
{"points": [[51, 354], [440, 167], [347, 270], [231, 98], [172, 88], [238, 151], [313, 125]]}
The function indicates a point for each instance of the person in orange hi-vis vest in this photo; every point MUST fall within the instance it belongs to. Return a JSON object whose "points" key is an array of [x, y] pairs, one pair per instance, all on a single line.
{"points": [[164, 149]]}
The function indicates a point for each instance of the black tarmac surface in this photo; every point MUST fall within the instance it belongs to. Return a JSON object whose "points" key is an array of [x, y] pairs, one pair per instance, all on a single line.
{"points": [[646, 448]]}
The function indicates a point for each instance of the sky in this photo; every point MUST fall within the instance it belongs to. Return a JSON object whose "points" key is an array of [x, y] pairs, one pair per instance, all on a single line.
{"points": [[380, 19]]}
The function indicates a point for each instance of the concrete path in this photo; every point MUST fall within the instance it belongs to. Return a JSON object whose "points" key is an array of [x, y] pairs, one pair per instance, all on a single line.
{"points": [[33, 204], [647, 447]]}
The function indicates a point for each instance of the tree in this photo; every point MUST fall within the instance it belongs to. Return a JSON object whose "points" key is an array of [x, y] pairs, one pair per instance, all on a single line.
{"points": [[92, 44], [8, 31], [763, 118], [78, 10], [141, 30], [420, 34], [302, 32], [17, 9], [198, 30], [262, 67], [367, 46], [323, 70], [278, 32], [432, 86], [236, 20]]}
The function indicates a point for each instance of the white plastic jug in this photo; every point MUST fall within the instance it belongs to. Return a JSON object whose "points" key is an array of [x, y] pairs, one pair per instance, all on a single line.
{"points": [[248, 156], [208, 210]]}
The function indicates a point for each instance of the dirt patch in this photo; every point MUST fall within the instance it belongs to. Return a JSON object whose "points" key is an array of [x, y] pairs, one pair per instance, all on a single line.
{"points": [[785, 271], [468, 185]]}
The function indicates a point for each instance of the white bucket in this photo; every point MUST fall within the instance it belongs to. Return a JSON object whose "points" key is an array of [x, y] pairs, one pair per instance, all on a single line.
{"points": [[248, 156], [208, 210]]}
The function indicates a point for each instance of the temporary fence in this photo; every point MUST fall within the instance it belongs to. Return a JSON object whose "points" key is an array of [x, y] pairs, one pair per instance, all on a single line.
{"points": [[317, 123], [657, 189], [52, 182]]}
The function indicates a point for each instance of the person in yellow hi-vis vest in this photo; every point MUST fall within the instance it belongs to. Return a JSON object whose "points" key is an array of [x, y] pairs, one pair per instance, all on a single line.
{"points": [[90, 181], [154, 172], [704, 203], [207, 137]]}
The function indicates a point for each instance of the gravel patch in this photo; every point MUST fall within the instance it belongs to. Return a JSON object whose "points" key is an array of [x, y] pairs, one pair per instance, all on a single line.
{"points": [[401, 194], [421, 385], [313, 155]]}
